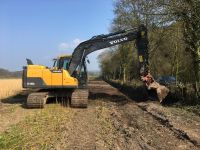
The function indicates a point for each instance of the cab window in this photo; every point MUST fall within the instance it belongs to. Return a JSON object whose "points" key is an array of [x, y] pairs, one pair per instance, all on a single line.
{"points": [[55, 63], [66, 64]]}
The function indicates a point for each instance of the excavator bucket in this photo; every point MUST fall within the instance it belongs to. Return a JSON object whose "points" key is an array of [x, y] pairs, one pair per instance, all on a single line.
{"points": [[161, 90]]}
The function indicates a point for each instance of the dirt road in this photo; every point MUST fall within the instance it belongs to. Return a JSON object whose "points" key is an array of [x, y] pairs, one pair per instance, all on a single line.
{"points": [[112, 121]]}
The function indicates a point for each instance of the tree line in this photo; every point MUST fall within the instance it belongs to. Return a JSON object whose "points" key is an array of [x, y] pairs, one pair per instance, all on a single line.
{"points": [[174, 40]]}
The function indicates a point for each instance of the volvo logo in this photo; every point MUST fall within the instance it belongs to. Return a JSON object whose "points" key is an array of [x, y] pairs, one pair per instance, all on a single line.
{"points": [[31, 83], [118, 40]]}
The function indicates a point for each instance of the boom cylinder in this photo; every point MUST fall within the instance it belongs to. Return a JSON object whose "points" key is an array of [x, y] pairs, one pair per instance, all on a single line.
{"points": [[142, 47]]}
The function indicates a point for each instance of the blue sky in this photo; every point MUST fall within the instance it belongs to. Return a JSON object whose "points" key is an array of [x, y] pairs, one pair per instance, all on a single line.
{"points": [[43, 29]]}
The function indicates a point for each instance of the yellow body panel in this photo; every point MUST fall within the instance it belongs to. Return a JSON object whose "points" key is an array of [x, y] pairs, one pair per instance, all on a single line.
{"points": [[68, 80], [51, 77], [35, 71], [36, 67], [47, 76], [56, 79]]}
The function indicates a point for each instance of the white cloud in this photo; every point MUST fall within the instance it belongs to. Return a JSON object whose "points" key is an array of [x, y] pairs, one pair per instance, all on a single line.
{"points": [[69, 45], [76, 42], [63, 46]]}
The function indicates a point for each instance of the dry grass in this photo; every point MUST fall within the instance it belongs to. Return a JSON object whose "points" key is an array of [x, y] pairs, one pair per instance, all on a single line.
{"points": [[9, 87], [39, 131]]}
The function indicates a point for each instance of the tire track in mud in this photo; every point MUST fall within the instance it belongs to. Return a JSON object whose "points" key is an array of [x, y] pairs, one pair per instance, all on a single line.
{"points": [[137, 128], [164, 121], [156, 110]]}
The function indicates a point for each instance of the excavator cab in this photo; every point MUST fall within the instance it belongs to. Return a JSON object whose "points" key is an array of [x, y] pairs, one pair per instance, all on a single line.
{"points": [[63, 61]]}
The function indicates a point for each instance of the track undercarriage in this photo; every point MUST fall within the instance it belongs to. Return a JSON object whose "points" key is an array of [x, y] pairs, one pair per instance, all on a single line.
{"points": [[78, 98]]}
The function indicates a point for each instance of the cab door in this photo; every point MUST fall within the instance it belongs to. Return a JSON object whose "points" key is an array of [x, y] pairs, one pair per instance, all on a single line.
{"points": [[57, 78]]}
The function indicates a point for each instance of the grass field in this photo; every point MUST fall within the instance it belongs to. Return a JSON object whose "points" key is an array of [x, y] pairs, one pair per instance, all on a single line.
{"points": [[9, 87], [40, 130]]}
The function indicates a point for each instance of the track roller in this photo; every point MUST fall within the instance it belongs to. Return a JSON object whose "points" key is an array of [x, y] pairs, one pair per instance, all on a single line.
{"points": [[37, 100], [79, 98]]}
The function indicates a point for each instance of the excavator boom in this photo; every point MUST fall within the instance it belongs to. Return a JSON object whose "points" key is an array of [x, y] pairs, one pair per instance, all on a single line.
{"points": [[104, 41], [98, 42]]}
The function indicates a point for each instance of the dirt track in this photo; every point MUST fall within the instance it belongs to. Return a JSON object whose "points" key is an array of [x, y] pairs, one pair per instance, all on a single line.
{"points": [[148, 125], [113, 121]]}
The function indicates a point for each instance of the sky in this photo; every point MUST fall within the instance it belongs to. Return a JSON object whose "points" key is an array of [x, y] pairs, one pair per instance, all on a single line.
{"points": [[43, 29]]}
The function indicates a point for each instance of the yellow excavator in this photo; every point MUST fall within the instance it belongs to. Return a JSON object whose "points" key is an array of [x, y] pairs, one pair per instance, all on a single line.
{"points": [[68, 77]]}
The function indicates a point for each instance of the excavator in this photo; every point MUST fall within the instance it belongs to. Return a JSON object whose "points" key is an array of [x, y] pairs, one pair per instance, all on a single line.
{"points": [[68, 77]]}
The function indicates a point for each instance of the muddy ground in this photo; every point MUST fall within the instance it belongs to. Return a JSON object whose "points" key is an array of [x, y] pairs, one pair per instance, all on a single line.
{"points": [[111, 121]]}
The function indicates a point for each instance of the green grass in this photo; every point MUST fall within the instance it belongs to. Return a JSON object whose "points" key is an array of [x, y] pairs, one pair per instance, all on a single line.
{"points": [[39, 131]]}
